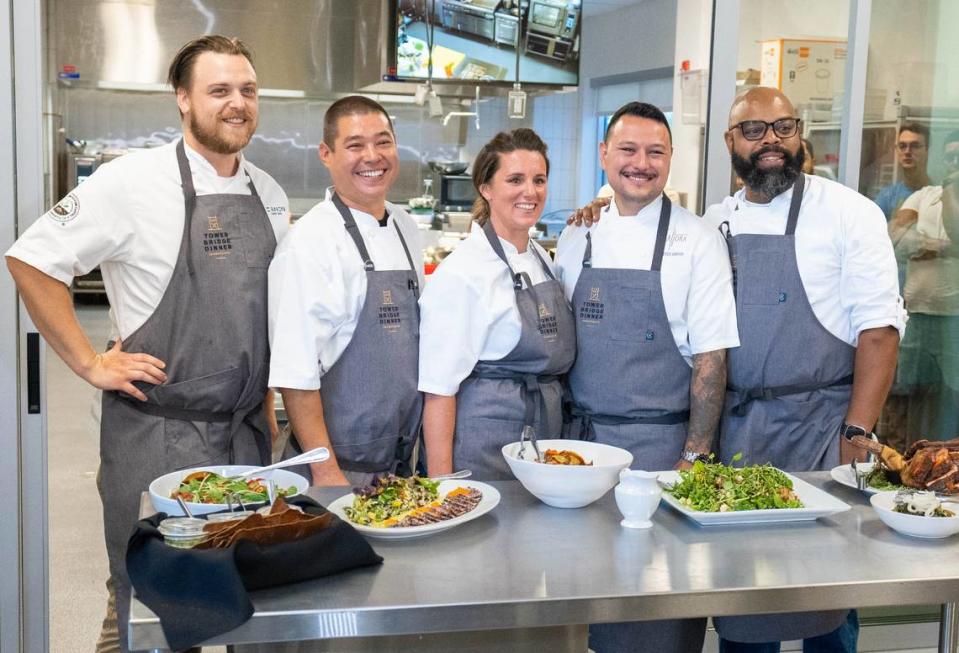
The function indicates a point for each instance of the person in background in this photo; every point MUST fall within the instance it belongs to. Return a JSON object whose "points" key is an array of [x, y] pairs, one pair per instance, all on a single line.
{"points": [[499, 328], [820, 320], [343, 308], [927, 379], [912, 155], [809, 157], [184, 380], [652, 294], [895, 425]]}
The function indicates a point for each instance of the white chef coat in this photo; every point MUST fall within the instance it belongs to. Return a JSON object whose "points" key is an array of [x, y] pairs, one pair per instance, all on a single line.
{"points": [[318, 288], [696, 277], [932, 285], [845, 258], [468, 310], [127, 217]]}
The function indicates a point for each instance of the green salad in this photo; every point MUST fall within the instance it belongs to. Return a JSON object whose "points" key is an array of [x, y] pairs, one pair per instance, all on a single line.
{"points": [[389, 497], [207, 487], [878, 479], [713, 487]]}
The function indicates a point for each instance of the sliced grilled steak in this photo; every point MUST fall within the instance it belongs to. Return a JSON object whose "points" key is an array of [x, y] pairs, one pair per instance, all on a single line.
{"points": [[452, 506]]}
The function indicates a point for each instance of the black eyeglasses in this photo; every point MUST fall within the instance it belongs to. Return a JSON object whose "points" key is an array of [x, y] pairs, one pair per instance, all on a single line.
{"points": [[910, 146], [753, 130]]}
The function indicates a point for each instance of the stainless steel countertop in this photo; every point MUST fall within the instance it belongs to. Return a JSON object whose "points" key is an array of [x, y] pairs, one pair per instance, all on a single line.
{"points": [[526, 564]]}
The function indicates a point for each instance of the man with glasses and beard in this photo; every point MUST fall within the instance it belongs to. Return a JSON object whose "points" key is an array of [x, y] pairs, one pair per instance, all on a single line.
{"points": [[183, 235], [819, 319]]}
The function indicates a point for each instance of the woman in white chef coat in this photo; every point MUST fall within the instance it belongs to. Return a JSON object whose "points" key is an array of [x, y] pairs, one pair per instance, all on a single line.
{"points": [[496, 329]]}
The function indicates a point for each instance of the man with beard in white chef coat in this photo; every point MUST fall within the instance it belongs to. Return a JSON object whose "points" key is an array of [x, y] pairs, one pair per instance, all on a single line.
{"points": [[652, 296], [819, 318], [343, 308], [183, 235]]}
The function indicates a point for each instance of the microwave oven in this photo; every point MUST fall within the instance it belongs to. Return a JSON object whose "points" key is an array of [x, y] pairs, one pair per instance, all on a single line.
{"points": [[453, 192], [552, 17]]}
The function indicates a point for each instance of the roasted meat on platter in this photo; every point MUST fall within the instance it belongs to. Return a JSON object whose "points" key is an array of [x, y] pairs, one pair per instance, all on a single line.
{"points": [[926, 465]]}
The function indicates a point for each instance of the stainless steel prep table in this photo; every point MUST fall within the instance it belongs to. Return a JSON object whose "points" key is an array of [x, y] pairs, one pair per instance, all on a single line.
{"points": [[526, 565]]}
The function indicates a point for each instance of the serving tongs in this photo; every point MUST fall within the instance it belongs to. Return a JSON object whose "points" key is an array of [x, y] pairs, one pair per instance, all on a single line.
{"points": [[528, 436], [317, 455], [860, 476]]}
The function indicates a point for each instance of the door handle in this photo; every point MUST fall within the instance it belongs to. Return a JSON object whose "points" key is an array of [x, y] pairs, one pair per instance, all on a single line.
{"points": [[33, 373]]}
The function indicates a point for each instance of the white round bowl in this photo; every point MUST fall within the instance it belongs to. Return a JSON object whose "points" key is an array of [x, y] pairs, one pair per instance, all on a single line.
{"points": [[569, 486], [914, 525], [163, 487]]}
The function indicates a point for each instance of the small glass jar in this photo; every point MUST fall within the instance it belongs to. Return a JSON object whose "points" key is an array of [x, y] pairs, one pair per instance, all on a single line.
{"points": [[183, 532]]}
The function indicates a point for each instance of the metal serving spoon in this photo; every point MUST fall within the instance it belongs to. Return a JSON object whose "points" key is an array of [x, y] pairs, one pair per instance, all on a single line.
{"points": [[463, 473], [317, 455]]}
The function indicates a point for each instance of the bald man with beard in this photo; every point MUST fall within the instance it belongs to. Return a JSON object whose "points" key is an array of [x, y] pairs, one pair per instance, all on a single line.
{"points": [[820, 320]]}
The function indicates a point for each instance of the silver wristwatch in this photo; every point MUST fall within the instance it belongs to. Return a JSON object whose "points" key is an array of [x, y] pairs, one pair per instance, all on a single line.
{"points": [[691, 456]]}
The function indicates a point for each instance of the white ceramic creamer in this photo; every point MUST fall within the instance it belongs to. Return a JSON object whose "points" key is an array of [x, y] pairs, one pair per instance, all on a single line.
{"points": [[637, 497]]}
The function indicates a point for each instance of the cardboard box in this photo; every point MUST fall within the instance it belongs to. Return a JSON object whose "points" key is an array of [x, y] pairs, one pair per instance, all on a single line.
{"points": [[808, 71]]}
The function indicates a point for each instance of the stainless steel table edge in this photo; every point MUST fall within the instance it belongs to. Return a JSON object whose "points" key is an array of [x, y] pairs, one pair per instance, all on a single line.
{"points": [[403, 620]]}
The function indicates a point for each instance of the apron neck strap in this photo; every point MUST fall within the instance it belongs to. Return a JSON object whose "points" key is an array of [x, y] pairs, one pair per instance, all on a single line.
{"points": [[795, 204], [354, 231], [414, 282], [189, 202], [588, 252], [661, 233], [539, 257], [498, 248]]}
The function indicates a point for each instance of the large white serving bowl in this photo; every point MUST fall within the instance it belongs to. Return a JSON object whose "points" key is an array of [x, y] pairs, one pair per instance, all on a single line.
{"points": [[569, 486], [914, 525], [163, 487]]}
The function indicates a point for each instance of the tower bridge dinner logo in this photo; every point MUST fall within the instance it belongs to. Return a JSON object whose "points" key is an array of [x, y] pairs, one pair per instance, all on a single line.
{"points": [[65, 210]]}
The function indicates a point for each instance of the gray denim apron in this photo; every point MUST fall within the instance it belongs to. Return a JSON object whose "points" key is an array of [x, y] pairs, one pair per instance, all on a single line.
{"points": [[210, 328], [371, 404], [789, 388], [502, 397], [630, 389], [622, 333]]}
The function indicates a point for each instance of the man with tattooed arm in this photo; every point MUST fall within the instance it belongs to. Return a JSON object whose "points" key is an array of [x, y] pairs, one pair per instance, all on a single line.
{"points": [[651, 290]]}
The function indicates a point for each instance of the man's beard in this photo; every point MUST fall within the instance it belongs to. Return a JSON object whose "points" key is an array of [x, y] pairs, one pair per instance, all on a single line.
{"points": [[211, 139], [769, 183]]}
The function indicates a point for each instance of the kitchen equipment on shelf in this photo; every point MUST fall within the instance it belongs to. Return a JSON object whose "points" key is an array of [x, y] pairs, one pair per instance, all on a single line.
{"points": [[448, 167]]}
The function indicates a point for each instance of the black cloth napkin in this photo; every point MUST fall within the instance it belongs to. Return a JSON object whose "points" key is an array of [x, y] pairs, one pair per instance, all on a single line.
{"points": [[201, 593]]}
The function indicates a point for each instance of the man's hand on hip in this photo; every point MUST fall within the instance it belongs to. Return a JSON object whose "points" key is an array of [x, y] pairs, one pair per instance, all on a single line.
{"points": [[116, 370]]}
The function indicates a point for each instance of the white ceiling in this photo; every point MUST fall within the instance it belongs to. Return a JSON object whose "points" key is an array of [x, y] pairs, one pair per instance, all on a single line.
{"points": [[597, 7]]}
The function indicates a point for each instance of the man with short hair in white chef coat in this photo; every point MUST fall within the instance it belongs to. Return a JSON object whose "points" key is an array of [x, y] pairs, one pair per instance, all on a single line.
{"points": [[925, 231], [344, 322], [183, 235], [819, 318], [651, 290]]}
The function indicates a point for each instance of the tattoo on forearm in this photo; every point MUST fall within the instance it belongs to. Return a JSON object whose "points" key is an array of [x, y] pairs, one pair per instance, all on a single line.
{"points": [[707, 391]]}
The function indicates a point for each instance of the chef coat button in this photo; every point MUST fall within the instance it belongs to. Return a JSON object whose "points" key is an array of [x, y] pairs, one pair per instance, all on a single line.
{"points": [[649, 335], [782, 297]]}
